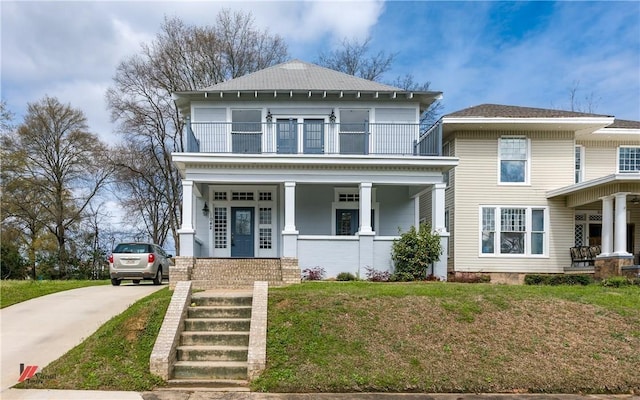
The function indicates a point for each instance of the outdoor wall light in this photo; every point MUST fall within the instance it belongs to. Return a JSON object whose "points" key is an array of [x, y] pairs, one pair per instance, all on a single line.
{"points": [[205, 209], [269, 116], [332, 117]]}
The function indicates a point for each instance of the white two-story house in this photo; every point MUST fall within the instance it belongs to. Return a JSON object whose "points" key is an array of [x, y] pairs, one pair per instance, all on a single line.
{"points": [[297, 166], [532, 184]]}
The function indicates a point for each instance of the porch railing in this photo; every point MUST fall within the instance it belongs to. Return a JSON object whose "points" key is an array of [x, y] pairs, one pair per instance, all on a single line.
{"points": [[288, 137]]}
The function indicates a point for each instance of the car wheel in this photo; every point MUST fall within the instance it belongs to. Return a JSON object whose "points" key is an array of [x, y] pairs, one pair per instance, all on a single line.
{"points": [[115, 282], [136, 281], [157, 280]]}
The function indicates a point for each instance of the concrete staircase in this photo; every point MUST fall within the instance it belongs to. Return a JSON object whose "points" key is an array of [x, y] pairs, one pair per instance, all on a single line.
{"points": [[214, 344]]}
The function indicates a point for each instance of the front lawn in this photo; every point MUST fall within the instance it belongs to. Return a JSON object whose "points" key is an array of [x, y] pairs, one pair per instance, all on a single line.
{"points": [[448, 337], [12, 292]]}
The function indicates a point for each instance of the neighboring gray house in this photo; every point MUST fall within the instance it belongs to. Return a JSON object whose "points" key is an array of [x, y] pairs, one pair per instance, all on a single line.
{"points": [[298, 166]]}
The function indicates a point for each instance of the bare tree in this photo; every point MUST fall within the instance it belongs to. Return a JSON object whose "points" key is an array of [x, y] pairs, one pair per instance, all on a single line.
{"points": [[141, 189], [57, 168], [588, 104], [181, 58], [430, 115], [353, 58]]}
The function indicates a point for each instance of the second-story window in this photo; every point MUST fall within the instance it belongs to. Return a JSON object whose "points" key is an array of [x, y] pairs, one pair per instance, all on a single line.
{"points": [[628, 159], [246, 131], [579, 164], [514, 157]]}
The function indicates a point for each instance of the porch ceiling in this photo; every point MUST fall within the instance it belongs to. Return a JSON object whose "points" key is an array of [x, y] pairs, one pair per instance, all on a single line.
{"points": [[588, 192]]}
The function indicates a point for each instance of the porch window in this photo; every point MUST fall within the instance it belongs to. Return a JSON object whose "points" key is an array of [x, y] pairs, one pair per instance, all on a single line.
{"points": [[518, 231], [348, 222], [628, 159], [514, 155]]}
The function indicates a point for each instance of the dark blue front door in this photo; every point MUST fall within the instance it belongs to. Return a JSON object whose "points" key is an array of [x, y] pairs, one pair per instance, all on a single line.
{"points": [[242, 236]]}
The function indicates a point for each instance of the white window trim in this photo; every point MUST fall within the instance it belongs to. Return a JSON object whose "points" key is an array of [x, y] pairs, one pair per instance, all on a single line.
{"points": [[351, 205], [528, 231], [527, 169], [582, 162], [618, 159], [256, 204]]}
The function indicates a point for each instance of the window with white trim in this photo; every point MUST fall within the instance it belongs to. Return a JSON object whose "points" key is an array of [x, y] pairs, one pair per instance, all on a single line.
{"points": [[513, 153], [513, 231], [628, 159], [446, 152], [579, 163]]}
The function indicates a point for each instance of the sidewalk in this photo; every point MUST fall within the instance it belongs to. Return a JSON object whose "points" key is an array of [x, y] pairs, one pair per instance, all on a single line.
{"points": [[27, 394]]}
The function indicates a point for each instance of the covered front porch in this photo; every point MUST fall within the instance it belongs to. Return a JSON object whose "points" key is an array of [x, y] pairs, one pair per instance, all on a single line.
{"points": [[606, 222], [342, 217]]}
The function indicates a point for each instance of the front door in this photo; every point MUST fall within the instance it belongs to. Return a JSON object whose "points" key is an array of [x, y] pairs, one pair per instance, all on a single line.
{"points": [[242, 228]]}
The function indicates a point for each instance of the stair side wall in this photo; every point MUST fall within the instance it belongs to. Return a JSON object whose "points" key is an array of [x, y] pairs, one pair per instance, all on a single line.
{"points": [[164, 354]]}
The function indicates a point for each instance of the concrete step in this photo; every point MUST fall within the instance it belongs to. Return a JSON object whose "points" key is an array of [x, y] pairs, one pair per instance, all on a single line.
{"points": [[217, 324], [208, 301], [214, 338], [204, 385], [210, 370], [219, 312], [212, 353]]}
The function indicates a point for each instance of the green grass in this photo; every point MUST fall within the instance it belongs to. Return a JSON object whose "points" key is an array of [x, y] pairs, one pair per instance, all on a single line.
{"points": [[116, 357], [402, 337], [13, 292], [447, 337]]}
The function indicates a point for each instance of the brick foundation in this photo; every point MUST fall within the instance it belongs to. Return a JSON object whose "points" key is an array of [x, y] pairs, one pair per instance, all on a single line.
{"points": [[609, 266], [631, 272], [210, 273]]}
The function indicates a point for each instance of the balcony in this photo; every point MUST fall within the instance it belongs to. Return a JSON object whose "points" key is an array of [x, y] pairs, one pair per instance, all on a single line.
{"points": [[313, 137]]}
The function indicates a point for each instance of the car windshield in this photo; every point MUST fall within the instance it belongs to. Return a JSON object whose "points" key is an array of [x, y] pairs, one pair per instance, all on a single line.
{"points": [[132, 248]]}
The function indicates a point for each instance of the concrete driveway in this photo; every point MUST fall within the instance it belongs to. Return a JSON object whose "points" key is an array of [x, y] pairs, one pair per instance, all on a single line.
{"points": [[39, 331]]}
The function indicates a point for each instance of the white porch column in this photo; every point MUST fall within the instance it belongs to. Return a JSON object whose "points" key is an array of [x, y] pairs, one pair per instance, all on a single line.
{"points": [[186, 231], [290, 234], [365, 209], [620, 237], [438, 226], [607, 226]]}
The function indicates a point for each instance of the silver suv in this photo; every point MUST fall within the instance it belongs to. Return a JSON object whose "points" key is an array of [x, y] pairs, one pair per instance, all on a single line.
{"points": [[138, 261]]}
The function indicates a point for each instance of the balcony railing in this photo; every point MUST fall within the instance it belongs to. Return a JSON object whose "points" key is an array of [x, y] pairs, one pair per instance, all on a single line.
{"points": [[313, 137]]}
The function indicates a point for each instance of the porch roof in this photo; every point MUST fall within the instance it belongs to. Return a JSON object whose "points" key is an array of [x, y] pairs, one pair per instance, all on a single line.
{"points": [[592, 190], [264, 168]]}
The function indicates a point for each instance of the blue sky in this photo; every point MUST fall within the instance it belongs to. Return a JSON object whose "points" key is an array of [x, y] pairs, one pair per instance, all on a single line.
{"points": [[517, 53]]}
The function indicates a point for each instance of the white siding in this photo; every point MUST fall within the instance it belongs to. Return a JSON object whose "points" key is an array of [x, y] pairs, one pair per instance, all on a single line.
{"points": [[209, 114], [398, 115]]}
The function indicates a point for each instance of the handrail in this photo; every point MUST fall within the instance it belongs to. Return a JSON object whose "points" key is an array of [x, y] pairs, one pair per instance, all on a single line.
{"points": [[314, 138]]}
